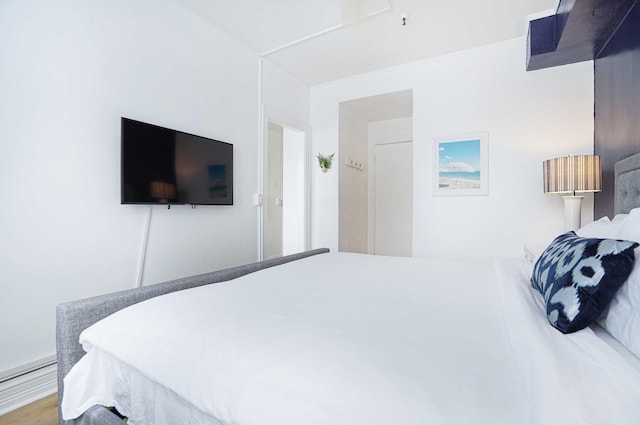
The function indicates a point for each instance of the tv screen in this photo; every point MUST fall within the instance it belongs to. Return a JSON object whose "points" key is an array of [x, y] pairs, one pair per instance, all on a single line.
{"points": [[164, 166]]}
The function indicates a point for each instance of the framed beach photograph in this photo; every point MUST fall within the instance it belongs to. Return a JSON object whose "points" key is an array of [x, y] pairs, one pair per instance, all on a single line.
{"points": [[461, 165]]}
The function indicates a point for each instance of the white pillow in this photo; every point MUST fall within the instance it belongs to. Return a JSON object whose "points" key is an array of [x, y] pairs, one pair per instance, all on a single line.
{"points": [[619, 217], [622, 320], [602, 228]]}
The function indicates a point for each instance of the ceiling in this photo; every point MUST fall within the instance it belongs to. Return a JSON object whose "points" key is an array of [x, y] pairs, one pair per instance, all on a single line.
{"points": [[323, 40]]}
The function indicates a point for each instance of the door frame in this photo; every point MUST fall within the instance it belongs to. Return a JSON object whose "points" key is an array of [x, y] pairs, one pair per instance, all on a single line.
{"points": [[270, 114]]}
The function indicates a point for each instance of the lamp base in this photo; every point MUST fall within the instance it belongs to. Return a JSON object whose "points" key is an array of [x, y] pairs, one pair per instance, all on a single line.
{"points": [[572, 212]]}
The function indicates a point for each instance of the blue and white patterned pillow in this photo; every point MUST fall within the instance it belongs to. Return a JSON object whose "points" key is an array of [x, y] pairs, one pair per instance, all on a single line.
{"points": [[579, 277]]}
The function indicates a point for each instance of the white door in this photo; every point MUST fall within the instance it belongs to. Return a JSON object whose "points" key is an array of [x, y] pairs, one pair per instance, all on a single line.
{"points": [[293, 191], [393, 206]]}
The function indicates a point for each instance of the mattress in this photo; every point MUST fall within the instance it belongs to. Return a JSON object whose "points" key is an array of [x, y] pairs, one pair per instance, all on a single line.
{"points": [[353, 339]]}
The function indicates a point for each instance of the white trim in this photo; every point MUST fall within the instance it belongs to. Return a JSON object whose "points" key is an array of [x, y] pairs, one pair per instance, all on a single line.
{"points": [[8, 374], [261, 143], [27, 383]]}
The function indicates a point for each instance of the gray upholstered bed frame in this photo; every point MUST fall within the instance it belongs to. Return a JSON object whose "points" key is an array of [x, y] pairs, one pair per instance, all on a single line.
{"points": [[627, 178], [73, 317]]}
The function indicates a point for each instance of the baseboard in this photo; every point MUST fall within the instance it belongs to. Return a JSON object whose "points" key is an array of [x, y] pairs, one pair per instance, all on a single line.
{"points": [[28, 383]]}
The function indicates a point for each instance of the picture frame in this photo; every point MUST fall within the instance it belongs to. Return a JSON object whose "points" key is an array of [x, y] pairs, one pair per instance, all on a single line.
{"points": [[461, 165]]}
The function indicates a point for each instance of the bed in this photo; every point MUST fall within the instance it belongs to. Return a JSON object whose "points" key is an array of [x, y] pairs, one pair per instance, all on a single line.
{"points": [[342, 338]]}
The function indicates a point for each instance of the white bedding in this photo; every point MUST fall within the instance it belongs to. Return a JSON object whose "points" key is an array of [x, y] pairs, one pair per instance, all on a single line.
{"points": [[353, 339]]}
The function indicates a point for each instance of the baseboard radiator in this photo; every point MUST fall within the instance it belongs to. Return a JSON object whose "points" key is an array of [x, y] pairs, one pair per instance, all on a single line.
{"points": [[27, 383]]}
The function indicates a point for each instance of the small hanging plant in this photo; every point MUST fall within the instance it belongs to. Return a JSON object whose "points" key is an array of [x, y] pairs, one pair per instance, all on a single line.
{"points": [[325, 161]]}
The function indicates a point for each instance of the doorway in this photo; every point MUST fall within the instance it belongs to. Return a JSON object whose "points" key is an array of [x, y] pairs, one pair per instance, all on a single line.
{"points": [[285, 200], [376, 195]]}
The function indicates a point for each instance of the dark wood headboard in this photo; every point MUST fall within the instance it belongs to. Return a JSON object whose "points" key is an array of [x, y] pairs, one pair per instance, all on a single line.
{"points": [[617, 105]]}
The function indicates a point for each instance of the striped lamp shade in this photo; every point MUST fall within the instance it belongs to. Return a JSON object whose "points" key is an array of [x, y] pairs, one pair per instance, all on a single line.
{"points": [[571, 174]]}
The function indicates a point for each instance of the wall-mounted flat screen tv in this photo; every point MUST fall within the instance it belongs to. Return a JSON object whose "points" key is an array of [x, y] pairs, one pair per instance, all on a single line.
{"points": [[164, 166]]}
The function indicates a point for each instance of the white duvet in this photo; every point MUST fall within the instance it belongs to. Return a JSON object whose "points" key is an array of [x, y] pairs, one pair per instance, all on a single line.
{"points": [[353, 339]]}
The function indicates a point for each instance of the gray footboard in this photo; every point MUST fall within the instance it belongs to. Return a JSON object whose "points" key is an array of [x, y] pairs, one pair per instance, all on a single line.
{"points": [[73, 317]]}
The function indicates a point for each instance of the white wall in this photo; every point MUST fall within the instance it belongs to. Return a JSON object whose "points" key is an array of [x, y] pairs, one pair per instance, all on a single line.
{"points": [[70, 69], [391, 131], [530, 116], [353, 195], [283, 94]]}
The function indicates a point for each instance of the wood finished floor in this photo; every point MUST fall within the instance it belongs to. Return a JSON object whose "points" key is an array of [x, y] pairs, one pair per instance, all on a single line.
{"points": [[41, 412]]}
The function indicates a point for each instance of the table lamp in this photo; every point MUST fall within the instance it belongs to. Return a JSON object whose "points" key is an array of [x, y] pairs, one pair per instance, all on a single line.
{"points": [[572, 174]]}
